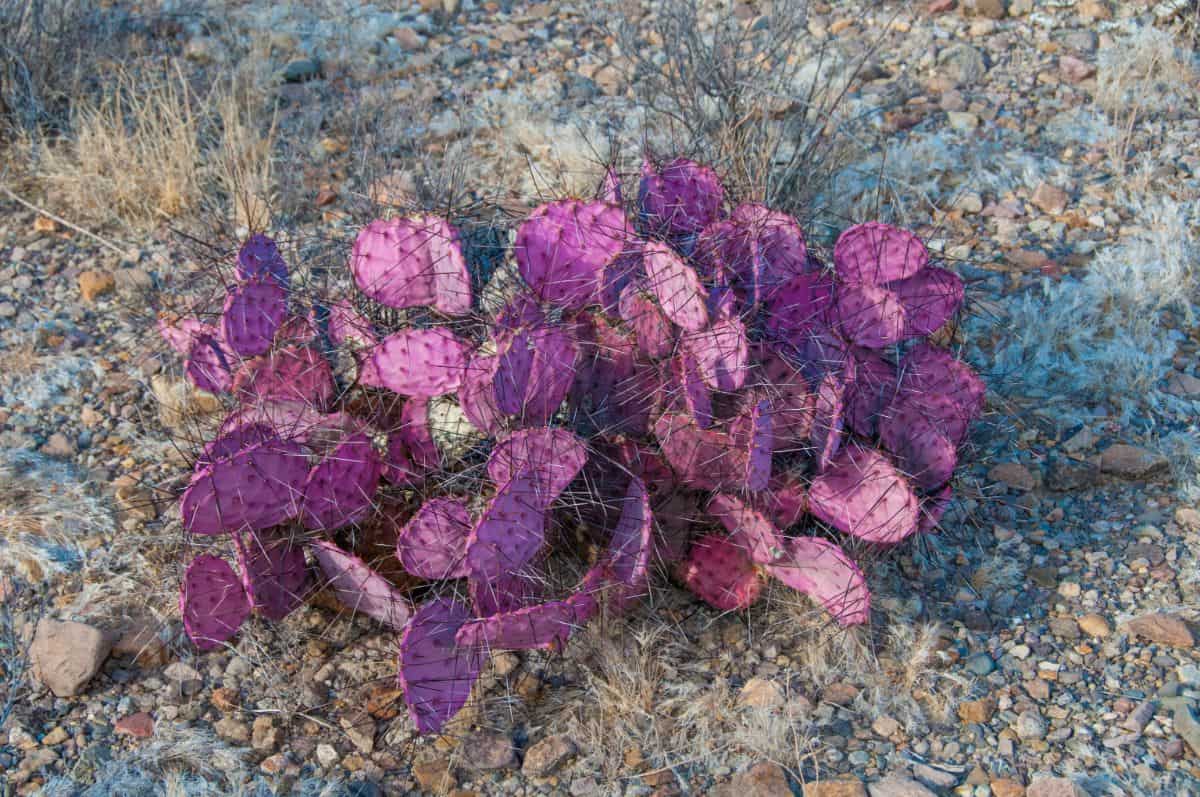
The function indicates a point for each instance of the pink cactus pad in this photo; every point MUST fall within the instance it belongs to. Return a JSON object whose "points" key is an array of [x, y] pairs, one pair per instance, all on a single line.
{"points": [[695, 397], [212, 601], [760, 248], [256, 488], [348, 327], [419, 363], [413, 262], [433, 544], [676, 286], [417, 434], [793, 406], [786, 500], [821, 570], [260, 257], [295, 420], [341, 488], [511, 530], [521, 311], [360, 588], [759, 445], [564, 247], [274, 573], [550, 376], [435, 672], [930, 298], [182, 333], [655, 335], [862, 494], [514, 361], [208, 365], [876, 254], [828, 419], [870, 315], [630, 546], [680, 199], [800, 307], [721, 353], [398, 467], [922, 450], [544, 625], [253, 312], [238, 438], [477, 393], [719, 572], [933, 509], [553, 457], [293, 373], [928, 370], [506, 593], [874, 386], [748, 528], [705, 459]]}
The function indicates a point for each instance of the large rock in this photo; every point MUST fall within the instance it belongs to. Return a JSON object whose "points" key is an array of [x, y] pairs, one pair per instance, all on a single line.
{"points": [[899, 786], [1132, 462], [1054, 787], [761, 780], [1165, 628], [66, 655], [547, 755]]}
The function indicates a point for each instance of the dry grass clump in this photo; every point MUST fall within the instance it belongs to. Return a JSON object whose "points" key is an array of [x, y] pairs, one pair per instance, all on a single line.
{"points": [[152, 147]]}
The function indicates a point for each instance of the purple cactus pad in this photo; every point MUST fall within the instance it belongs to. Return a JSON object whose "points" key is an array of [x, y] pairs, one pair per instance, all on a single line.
{"points": [[274, 573], [930, 298], [412, 262], [418, 363], [676, 286], [545, 625], [721, 353], [655, 335], [821, 570], [435, 672], [212, 601], [862, 494], [208, 365], [680, 199], [511, 530], [553, 457], [876, 254], [340, 489], [253, 312], [719, 572], [748, 528], [506, 593], [870, 315], [256, 488], [564, 247], [360, 588], [292, 373], [828, 418], [260, 257], [433, 544], [181, 334]]}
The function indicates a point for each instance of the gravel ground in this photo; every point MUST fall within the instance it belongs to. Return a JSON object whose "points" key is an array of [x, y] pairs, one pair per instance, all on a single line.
{"points": [[1042, 644]]}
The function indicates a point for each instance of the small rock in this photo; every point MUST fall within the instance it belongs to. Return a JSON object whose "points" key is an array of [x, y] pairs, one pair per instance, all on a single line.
{"points": [[360, 729], [1075, 70], [1140, 717], [1014, 475], [232, 730], [1165, 628], [885, 726], [990, 9], [274, 764], [968, 202], [977, 710], [1094, 625], [1183, 384], [938, 778], [264, 736], [139, 639], [139, 725], [1093, 10], [980, 664], [326, 755], [1132, 462], [94, 283], [761, 780], [547, 755], [1050, 199], [1030, 725], [434, 775], [66, 655], [489, 750], [1054, 787], [1188, 517], [1004, 787], [55, 737], [1187, 725], [899, 786], [761, 693], [840, 787], [962, 64], [962, 121], [840, 692]]}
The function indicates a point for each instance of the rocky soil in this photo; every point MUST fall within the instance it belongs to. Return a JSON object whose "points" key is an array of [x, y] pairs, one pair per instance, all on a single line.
{"points": [[1043, 644]]}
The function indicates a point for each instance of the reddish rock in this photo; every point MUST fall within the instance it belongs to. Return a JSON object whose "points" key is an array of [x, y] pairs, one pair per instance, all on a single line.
{"points": [[1075, 70], [1050, 199], [1165, 628], [139, 725]]}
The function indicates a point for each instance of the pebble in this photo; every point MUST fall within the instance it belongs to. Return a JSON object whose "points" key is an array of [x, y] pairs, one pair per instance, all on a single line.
{"points": [[899, 786], [832, 787], [547, 755], [1054, 787], [94, 284], [1030, 725], [980, 664], [66, 655], [139, 725], [1132, 462], [1165, 628], [761, 693], [486, 750]]}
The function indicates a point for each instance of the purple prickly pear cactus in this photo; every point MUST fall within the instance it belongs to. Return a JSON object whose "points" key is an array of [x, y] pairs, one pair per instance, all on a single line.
{"points": [[821, 570], [873, 388], [260, 257], [680, 199], [254, 488], [359, 588], [340, 489], [506, 593], [436, 673], [551, 457], [477, 393], [182, 333], [417, 435], [697, 400], [863, 495], [511, 530], [418, 363], [721, 351], [930, 298], [800, 308], [676, 286], [292, 373], [655, 336], [828, 418], [544, 625], [876, 254], [705, 459], [411, 263], [610, 187], [212, 601], [564, 247], [347, 327], [871, 315], [748, 528], [208, 364], [918, 443], [433, 544], [253, 312], [274, 573], [719, 572], [933, 509]]}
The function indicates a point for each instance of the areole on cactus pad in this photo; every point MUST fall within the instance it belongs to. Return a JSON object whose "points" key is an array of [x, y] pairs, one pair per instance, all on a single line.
{"points": [[684, 380]]}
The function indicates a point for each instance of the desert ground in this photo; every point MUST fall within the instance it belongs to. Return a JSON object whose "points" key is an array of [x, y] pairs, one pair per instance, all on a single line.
{"points": [[1043, 642]]}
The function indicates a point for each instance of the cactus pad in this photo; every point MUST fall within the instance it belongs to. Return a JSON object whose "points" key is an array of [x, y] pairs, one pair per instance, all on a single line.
{"points": [[821, 570], [256, 488], [506, 593], [419, 363], [828, 418], [871, 315], [655, 336], [260, 257], [564, 247], [433, 544], [721, 353], [292, 373], [719, 572], [412, 262], [676, 286], [358, 587], [340, 489], [680, 199], [253, 312], [511, 530], [553, 457], [274, 573], [212, 601], [544, 625], [749, 528], [705, 459], [876, 254], [208, 365], [930, 298], [862, 494], [435, 673]]}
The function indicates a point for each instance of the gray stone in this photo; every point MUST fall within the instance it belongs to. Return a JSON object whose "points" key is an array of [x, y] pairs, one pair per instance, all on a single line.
{"points": [[1030, 725], [66, 655], [980, 664], [301, 70], [898, 786], [1187, 725], [963, 64], [489, 750]]}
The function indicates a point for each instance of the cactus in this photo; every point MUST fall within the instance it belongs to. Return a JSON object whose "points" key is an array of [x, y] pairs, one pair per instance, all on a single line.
{"points": [[695, 381]]}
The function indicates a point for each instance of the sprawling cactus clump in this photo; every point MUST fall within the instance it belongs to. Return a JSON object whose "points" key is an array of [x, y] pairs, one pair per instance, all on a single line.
{"points": [[689, 383]]}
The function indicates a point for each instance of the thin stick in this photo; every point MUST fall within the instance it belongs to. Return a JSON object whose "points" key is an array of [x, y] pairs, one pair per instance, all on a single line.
{"points": [[65, 223]]}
